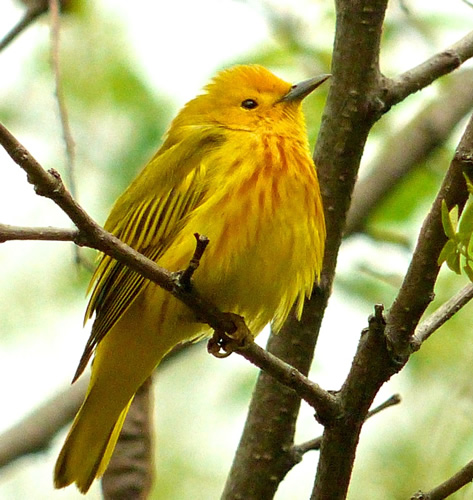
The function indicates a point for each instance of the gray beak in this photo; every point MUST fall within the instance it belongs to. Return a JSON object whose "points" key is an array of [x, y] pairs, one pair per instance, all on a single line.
{"points": [[303, 89]]}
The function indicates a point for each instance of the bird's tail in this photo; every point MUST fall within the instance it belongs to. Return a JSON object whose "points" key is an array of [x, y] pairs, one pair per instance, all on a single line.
{"points": [[124, 359], [88, 446]]}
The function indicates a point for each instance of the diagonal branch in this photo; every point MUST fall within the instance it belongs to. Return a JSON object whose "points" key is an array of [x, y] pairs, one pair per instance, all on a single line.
{"points": [[417, 290], [397, 89], [403, 151], [49, 184], [324, 402], [450, 486], [440, 316]]}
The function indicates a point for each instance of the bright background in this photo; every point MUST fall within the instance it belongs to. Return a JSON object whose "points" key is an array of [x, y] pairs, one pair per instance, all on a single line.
{"points": [[128, 66]]}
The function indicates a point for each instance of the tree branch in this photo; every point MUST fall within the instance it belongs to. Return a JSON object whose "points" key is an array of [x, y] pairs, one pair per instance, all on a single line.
{"points": [[131, 469], [314, 444], [403, 151], [11, 233], [322, 401], [264, 456], [385, 346], [49, 185], [54, 9], [34, 9], [396, 90], [346, 122], [440, 316], [35, 432], [417, 290], [450, 486]]}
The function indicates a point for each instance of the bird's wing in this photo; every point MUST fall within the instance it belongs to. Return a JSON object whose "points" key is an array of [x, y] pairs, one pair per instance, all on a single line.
{"points": [[147, 217]]}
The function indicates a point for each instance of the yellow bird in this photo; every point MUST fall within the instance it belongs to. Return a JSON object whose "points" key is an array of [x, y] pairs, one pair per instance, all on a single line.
{"points": [[235, 166]]}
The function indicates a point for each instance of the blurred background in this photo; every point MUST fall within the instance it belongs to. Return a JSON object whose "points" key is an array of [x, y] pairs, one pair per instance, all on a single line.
{"points": [[127, 67]]}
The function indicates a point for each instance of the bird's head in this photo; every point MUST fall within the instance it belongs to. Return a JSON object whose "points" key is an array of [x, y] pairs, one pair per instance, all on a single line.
{"points": [[248, 98]]}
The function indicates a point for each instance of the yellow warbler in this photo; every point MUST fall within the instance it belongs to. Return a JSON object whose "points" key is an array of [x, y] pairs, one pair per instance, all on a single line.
{"points": [[235, 166]]}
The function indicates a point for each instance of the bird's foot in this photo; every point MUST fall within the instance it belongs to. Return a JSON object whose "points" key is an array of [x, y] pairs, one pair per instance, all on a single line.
{"points": [[223, 343]]}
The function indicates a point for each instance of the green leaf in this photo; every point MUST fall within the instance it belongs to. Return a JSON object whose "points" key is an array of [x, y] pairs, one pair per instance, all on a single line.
{"points": [[450, 248], [453, 261], [449, 220], [469, 184], [465, 226], [469, 272], [469, 246]]}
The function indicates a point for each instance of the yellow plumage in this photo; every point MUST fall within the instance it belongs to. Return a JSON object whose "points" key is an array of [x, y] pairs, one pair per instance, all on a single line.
{"points": [[235, 166]]}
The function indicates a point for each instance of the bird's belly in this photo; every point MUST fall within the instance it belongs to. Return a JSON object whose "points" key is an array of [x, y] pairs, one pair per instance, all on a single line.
{"points": [[265, 246], [255, 268]]}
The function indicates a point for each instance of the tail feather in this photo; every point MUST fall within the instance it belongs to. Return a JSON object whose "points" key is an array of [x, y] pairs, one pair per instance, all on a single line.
{"points": [[81, 461], [112, 441], [124, 359]]}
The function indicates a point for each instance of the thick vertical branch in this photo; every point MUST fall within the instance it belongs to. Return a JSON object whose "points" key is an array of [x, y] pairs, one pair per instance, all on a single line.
{"points": [[417, 290], [265, 453], [374, 364], [348, 119]]}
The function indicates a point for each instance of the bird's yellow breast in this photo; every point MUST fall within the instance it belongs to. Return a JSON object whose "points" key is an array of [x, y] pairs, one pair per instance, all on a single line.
{"points": [[263, 216]]}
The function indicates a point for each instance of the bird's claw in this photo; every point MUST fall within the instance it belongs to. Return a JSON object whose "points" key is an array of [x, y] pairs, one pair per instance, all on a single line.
{"points": [[223, 343]]}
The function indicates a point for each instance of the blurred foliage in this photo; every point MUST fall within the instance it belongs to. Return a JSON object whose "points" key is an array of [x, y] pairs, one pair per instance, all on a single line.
{"points": [[117, 120], [109, 96]]}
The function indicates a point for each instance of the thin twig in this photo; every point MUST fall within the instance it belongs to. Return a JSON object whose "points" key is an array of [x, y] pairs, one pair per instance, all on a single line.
{"points": [[54, 8], [55, 25], [444, 490], [396, 90], [325, 403], [405, 150], [11, 233], [314, 444], [441, 315]]}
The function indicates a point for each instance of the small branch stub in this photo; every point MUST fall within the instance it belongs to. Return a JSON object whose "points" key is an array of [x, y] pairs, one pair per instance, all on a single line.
{"points": [[378, 320], [314, 444], [184, 277]]}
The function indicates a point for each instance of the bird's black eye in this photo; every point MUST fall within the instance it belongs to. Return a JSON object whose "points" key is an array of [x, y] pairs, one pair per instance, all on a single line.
{"points": [[249, 104]]}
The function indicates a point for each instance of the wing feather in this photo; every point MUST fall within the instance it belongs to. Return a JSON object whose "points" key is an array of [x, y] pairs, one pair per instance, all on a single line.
{"points": [[147, 217]]}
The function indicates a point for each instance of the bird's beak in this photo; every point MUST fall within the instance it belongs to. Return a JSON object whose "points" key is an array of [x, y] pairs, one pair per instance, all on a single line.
{"points": [[303, 89]]}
